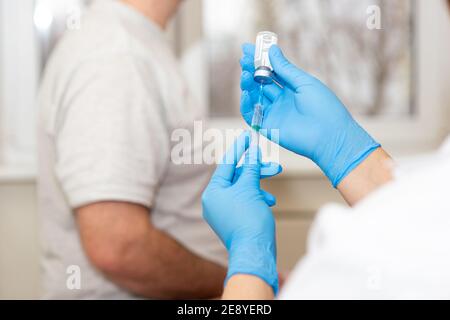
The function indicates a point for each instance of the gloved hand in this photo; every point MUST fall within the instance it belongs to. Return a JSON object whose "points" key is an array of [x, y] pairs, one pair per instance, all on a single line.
{"points": [[238, 211], [312, 121]]}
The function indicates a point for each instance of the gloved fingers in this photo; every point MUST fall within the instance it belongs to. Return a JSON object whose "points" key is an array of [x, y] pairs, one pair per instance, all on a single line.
{"points": [[270, 91], [287, 71], [268, 170], [254, 95], [279, 81], [247, 107], [247, 63], [248, 49], [270, 128], [251, 168], [226, 170], [269, 199], [253, 155], [253, 89], [248, 101], [247, 81]]}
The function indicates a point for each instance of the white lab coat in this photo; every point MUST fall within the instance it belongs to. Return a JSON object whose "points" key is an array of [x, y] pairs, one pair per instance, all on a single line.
{"points": [[395, 244]]}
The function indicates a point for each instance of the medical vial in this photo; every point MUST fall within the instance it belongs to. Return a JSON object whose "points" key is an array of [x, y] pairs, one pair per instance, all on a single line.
{"points": [[263, 67]]}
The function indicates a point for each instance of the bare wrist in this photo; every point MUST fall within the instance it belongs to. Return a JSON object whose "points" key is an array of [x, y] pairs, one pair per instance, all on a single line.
{"points": [[372, 173]]}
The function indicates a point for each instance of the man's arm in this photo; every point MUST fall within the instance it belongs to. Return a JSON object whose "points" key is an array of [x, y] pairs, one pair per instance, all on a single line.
{"points": [[371, 174], [121, 242]]}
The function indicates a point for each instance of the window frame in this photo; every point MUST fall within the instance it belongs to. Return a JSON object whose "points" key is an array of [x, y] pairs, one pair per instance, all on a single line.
{"points": [[19, 74]]}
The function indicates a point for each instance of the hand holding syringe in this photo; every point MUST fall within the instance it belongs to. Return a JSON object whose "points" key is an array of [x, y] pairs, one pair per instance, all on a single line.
{"points": [[302, 110]]}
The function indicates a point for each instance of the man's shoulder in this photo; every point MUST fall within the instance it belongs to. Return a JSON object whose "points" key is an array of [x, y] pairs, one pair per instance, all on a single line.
{"points": [[99, 37], [100, 45]]}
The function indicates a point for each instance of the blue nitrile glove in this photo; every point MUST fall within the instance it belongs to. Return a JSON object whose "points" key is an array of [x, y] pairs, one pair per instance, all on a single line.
{"points": [[312, 121], [238, 211]]}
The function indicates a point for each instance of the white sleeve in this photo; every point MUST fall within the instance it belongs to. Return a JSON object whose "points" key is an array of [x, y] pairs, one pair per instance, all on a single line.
{"points": [[391, 245], [111, 140], [330, 270]]}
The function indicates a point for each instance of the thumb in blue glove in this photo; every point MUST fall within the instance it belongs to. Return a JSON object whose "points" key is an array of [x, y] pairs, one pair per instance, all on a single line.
{"points": [[311, 120], [238, 211]]}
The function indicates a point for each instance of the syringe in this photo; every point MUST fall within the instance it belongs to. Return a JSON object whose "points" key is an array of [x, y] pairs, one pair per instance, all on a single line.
{"points": [[258, 117], [263, 75]]}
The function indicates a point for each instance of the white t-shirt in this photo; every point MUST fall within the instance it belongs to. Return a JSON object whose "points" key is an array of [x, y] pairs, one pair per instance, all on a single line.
{"points": [[111, 97], [393, 245]]}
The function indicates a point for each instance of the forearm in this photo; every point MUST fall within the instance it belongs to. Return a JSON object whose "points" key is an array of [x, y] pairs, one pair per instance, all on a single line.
{"points": [[120, 241], [371, 174], [160, 267], [247, 287]]}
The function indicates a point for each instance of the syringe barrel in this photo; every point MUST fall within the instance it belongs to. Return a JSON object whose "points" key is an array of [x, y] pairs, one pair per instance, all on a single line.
{"points": [[257, 119]]}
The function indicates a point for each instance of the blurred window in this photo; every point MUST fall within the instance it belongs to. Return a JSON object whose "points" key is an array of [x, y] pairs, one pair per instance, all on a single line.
{"points": [[29, 30], [370, 70]]}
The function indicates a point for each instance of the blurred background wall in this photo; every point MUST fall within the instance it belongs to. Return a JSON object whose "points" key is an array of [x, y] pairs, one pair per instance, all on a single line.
{"points": [[412, 124]]}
